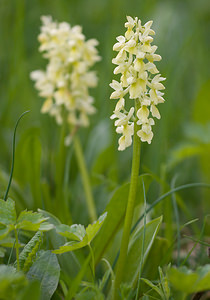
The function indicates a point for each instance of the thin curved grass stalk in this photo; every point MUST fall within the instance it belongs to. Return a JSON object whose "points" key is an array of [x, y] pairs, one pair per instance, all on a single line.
{"points": [[13, 155], [28, 254]]}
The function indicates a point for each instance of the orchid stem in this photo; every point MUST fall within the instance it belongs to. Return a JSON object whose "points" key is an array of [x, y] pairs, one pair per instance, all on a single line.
{"points": [[129, 210]]}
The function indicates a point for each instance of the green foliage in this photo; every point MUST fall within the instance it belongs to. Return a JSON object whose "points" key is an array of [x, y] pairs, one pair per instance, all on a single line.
{"points": [[135, 248], [188, 281], [115, 215], [80, 236], [162, 289], [46, 270], [7, 212], [46, 175], [27, 220], [11, 282], [28, 254]]}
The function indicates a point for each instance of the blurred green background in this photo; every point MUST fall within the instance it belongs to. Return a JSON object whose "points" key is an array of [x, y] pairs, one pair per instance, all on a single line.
{"points": [[46, 170]]}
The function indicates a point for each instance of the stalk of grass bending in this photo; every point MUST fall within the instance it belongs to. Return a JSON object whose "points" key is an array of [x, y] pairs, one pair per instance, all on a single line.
{"points": [[85, 179], [142, 249], [13, 155], [129, 210]]}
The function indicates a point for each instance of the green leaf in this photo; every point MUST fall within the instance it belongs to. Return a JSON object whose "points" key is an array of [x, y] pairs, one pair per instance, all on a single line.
{"points": [[185, 280], [71, 246], [31, 291], [115, 215], [7, 242], [68, 261], [164, 283], [46, 269], [82, 237], [11, 282], [7, 212], [2, 252], [135, 246], [5, 231], [28, 254], [74, 232], [31, 221], [94, 228], [153, 286]]}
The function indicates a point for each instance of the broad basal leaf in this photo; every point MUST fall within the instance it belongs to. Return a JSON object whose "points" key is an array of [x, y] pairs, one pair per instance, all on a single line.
{"points": [[116, 209]]}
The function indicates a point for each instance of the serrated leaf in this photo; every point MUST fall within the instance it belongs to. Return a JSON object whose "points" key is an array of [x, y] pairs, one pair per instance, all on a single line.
{"points": [[83, 236], [29, 220], [187, 281], [7, 212], [74, 232], [71, 246], [94, 228], [46, 269], [7, 242], [28, 253], [5, 231]]}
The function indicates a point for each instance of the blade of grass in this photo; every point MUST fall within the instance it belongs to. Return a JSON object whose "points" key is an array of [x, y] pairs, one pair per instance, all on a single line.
{"points": [[13, 155]]}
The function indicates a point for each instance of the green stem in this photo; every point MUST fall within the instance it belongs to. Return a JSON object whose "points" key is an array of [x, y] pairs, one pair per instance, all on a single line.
{"points": [[143, 242], [93, 261], [17, 249], [85, 179], [129, 210]]}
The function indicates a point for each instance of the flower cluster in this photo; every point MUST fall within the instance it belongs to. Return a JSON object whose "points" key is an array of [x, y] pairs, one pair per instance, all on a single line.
{"points": [[140, 79], [65, 82]]}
